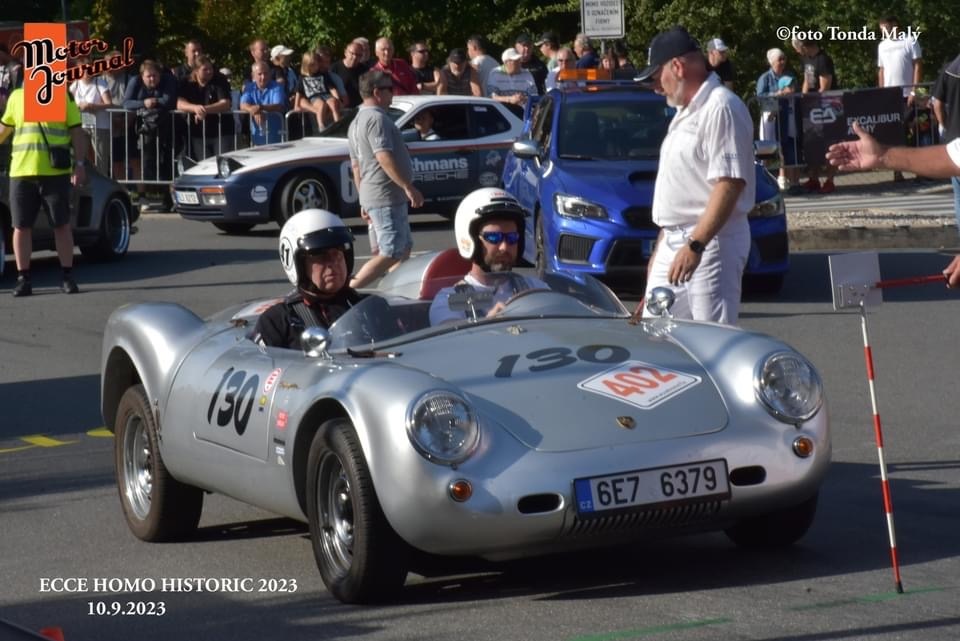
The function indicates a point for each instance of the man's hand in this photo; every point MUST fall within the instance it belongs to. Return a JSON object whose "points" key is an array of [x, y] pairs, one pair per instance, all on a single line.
{"points": [[684, 264], [952, 272], [416, 198], [79, 177], [857, 155]]}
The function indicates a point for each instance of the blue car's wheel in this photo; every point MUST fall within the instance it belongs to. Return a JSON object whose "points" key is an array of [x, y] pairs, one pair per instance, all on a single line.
{"points": [[304, 190], [156, 506], [361, 559]]}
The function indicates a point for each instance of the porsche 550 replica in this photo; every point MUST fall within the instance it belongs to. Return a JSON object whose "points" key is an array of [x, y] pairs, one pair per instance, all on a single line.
{"points": [[563, 422]]}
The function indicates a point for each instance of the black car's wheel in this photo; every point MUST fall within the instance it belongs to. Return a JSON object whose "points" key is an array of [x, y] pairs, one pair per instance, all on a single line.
{"points": [[234, 228], [304, 190], [361, 559], [763, 284], [777, 529], [113, 240], [540, 239], [156, 506]]}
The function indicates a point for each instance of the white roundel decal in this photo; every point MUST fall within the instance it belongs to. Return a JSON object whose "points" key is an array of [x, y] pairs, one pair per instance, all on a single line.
{"points": [[489, 179], [259, 194]]}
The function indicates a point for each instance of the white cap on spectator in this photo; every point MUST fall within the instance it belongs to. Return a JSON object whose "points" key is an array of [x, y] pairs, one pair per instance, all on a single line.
{"points": [[280, 50], [716, 44], [224, 71], [510, 54]]}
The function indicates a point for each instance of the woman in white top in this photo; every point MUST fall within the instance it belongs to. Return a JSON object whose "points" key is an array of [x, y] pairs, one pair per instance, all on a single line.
{"points": [[92, 96]]}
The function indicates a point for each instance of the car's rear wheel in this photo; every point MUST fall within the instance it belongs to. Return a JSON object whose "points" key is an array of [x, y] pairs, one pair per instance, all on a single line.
{"points": [[304, 190], [361, 559], [156, 506], [234, 228], [113, 240], [776, 529]]}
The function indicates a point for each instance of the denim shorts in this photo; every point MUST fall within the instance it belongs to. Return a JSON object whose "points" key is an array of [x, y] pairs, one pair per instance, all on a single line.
{"points": [[392, 226]]}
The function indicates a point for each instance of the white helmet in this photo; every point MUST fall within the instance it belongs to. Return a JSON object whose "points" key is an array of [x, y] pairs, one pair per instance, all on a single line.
{"points": [[309, 231], [488, 203]]}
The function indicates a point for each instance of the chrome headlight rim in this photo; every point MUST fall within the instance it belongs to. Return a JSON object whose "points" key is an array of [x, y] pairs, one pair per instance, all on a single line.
{"points": [[562, 201], [472, 441], [778, 411]]}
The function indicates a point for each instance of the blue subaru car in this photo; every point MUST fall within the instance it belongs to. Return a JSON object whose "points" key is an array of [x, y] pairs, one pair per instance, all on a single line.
{"points": [[584, 167]]}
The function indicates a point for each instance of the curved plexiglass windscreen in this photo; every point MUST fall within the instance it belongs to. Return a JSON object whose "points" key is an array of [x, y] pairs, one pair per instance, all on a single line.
{"points": [[459, 305]]}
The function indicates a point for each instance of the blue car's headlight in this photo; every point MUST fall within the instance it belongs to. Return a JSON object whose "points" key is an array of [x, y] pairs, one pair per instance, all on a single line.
{"points": [[789, 387], [226, 166], [443, 428], [768, 208], [576, 207]]}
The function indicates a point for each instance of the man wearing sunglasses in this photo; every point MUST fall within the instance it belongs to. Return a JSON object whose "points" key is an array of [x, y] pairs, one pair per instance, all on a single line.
{"points": [[489, 228], [383, 172]]}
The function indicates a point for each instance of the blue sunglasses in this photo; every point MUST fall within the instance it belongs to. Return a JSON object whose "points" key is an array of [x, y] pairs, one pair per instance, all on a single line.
{"points": [[497, 237]]}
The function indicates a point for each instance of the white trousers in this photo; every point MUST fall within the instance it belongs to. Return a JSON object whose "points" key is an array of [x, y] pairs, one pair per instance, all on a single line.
{"points": [[713, 293]]}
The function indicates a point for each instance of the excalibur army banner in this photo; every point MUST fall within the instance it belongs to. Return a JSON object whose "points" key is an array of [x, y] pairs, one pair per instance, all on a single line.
{"points": [[828, 118]]}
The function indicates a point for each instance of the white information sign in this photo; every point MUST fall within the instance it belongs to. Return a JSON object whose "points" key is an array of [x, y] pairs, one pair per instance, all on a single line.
{"points": [[602, 18]]}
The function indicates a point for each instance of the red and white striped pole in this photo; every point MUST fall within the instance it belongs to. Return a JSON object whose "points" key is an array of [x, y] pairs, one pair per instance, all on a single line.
{"points": [[878, 433]]}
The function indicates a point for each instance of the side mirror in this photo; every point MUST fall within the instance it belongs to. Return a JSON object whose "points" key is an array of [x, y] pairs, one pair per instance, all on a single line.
{"points": [[526, 149], [410, 135], [660, 300], [766, 149], [314, 342]]}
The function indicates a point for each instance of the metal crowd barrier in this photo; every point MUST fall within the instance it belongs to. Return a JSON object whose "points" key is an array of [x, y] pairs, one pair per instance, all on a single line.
{"points": [[129, 156]]}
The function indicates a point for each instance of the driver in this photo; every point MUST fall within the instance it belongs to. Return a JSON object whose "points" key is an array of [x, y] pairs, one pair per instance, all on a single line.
{"points": [[316, 251], [489, 228]]}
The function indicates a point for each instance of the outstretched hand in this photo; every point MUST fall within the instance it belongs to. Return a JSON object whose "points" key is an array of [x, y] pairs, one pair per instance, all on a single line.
{"points": [[856, 155], [952, 272]]}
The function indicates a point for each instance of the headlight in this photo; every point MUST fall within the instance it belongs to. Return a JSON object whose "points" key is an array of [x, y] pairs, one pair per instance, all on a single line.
{"points": [[768, 208], [443, 428], [789, 387], [226, 166], [577, 207]]}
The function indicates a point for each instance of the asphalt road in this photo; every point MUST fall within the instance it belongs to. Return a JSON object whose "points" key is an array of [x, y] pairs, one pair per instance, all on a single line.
{"points": [[60, 516]]}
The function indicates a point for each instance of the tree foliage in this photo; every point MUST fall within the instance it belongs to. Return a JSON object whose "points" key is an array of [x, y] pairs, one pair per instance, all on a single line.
{"points": [[226, 27]]}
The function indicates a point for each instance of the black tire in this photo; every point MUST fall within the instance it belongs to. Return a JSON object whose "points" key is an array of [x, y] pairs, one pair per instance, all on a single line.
{"points": [[361, 559], [777, 529], [113, 239], [763, 284], [305, 189], [236, 229], [156, 506], [540, 241]]}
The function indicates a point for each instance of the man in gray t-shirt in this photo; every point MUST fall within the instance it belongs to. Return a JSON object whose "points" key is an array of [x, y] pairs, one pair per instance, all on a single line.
{"points": [[384, 176]]}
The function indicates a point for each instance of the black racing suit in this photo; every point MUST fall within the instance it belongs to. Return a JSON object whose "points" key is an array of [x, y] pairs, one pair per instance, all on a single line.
{"points": [[283, 324]]}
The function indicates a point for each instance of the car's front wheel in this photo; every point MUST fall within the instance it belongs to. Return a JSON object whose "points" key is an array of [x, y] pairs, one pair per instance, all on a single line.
{"points": [[361, 559], [156, 506], [113, 239], [776, 529], [304, 190]]}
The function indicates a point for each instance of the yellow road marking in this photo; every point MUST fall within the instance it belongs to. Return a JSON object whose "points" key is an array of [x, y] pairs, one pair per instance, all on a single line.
{"points": [[100, 432], [15, 449], [44, 441]]}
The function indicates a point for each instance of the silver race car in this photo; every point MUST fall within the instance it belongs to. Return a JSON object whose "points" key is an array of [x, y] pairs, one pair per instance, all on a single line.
{"points": [[563, 422]]}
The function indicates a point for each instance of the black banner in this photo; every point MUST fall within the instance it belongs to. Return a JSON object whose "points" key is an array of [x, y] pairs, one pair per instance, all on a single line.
{"points": [[828, 118]]}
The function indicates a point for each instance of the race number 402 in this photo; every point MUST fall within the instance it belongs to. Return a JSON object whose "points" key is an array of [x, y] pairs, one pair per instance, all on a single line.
{"points": [[643, 385]]}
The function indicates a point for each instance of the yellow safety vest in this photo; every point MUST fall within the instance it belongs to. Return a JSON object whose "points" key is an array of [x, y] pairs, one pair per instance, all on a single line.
{"points": [[29, 155]]}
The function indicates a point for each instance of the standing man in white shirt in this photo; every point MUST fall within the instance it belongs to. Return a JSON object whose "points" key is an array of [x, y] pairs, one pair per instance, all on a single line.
{"points": [[705, 184], [899, 63]]}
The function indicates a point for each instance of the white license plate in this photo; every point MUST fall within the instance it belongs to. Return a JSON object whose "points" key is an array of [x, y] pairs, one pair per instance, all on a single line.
{"points": [[662, 485], [187, 197]]}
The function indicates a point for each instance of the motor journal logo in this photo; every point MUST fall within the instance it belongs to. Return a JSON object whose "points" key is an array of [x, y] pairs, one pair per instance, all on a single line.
{"points": [[46, 50]]}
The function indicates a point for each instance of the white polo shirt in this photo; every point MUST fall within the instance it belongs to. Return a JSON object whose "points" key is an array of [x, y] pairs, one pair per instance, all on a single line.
{"points": [[710, 138], [953, 150]]}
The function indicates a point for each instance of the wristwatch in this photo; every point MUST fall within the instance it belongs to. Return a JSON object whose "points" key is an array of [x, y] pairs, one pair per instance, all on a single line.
{"points": [[696, 246]]}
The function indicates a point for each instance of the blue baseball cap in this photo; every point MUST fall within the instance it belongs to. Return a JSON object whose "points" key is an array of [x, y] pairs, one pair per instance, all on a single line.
{"points": [[666, 46]]}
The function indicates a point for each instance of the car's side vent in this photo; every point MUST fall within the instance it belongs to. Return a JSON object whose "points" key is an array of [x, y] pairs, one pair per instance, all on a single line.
{"points": [[752, 475], [539, 503]]}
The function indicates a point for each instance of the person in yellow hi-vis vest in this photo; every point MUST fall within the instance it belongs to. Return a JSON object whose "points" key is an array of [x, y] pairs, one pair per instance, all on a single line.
{"points": [[41, 170]]}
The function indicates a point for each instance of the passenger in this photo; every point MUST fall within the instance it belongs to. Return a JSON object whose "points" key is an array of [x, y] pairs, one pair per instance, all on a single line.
{"points": [[489, 228], [316, 251]]}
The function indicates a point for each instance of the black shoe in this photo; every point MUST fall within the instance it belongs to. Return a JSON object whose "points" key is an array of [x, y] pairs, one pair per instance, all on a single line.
{"points": [[69, 286], [22, 288]]}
